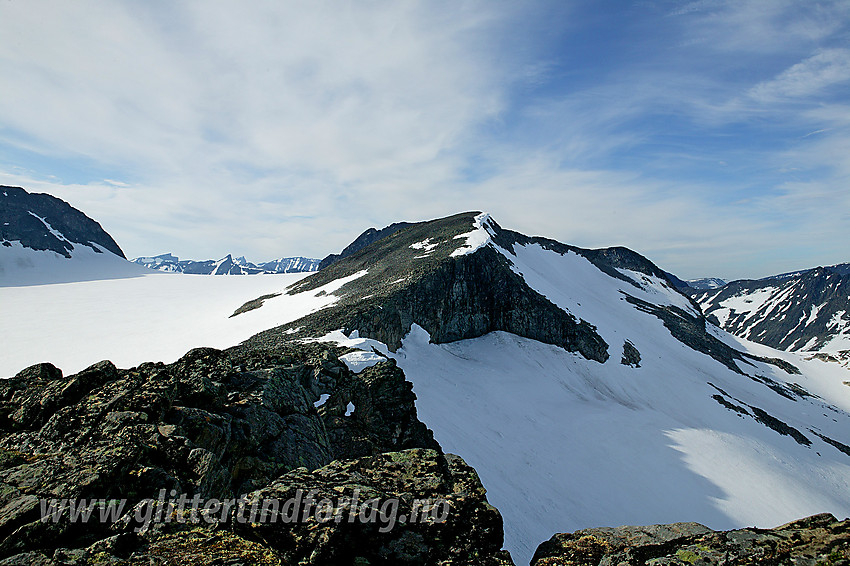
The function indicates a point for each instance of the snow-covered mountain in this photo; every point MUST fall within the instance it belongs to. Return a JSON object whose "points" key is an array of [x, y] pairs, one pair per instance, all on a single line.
{"points": [[291, 265], [228, 265], [802, 311], [45, 240], [581, 385]]}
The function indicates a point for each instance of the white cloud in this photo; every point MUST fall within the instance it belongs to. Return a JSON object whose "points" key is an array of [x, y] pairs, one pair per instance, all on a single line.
{"points": [[281, 128], [761, 26], [811, 76]]}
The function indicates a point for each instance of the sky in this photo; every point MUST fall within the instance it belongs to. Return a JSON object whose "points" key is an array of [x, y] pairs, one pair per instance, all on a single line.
{"points": [[712, 136]]}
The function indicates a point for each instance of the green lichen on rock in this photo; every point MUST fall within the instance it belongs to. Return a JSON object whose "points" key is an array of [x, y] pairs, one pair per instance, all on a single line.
{"points": [[820, 539]]}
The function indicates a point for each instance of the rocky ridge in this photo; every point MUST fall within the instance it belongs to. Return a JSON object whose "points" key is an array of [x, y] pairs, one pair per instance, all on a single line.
{"points": [[821, 540], [415, 274]]}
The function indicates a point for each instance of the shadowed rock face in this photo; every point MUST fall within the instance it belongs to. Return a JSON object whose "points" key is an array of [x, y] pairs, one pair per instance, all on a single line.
{"points": [[820, 540], [20, 212]]}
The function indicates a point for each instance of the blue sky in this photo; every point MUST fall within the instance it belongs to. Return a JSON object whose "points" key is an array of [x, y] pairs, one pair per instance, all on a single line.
{"points": [[712, 136]]}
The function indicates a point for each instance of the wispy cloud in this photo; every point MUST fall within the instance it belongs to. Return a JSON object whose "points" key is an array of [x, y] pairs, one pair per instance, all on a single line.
{"points": [[287, 128], [809, 77]]}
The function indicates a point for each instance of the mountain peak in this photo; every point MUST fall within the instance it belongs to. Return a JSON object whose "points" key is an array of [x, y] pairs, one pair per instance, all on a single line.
{"points": [[43, 222], [464, 276]]}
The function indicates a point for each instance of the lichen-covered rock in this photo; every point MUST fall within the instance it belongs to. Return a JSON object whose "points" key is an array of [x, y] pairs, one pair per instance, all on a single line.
{"points": [[215, 423], [402, 508], [820, 540]]}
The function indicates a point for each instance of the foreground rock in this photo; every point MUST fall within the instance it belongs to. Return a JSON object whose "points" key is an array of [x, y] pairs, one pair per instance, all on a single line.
{"points": [[411, 507], [820, 540], [216, 426], [388, 498]]}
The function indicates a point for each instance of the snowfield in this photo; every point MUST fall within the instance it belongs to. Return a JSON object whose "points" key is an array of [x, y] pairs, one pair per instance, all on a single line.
{"points": [[20, 266], [562, 443], [153, 316]]}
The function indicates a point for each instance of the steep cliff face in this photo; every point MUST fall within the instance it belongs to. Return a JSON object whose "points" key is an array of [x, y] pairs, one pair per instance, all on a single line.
{"points": [[43, 222]]}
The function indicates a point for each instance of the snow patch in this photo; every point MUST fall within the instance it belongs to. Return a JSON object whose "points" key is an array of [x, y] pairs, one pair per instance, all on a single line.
{"points": [[478, 238], [56, 233], [425, 244], [358, 361], [814, 314]]}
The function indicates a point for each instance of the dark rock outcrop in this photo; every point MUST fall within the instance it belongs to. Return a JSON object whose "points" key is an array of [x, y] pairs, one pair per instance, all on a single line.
{"points": [[434, 512], [631, 355], [34, 219], [820, 540], [452, 297], [216, 424]]}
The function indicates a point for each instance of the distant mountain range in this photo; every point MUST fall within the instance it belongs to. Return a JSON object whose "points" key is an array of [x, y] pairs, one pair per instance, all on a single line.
{"points": [[228, 265], [706, 283], [806, 310]]}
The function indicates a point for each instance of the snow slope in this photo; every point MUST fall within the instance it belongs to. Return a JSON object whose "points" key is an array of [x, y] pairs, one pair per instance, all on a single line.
{"points": [[152, 317], [563, 443], [20, 266]]}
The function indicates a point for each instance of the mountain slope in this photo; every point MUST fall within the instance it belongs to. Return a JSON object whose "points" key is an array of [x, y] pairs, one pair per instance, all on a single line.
{"points": [[43, 222], [363, 240], [604, 399], [801, 311]]}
